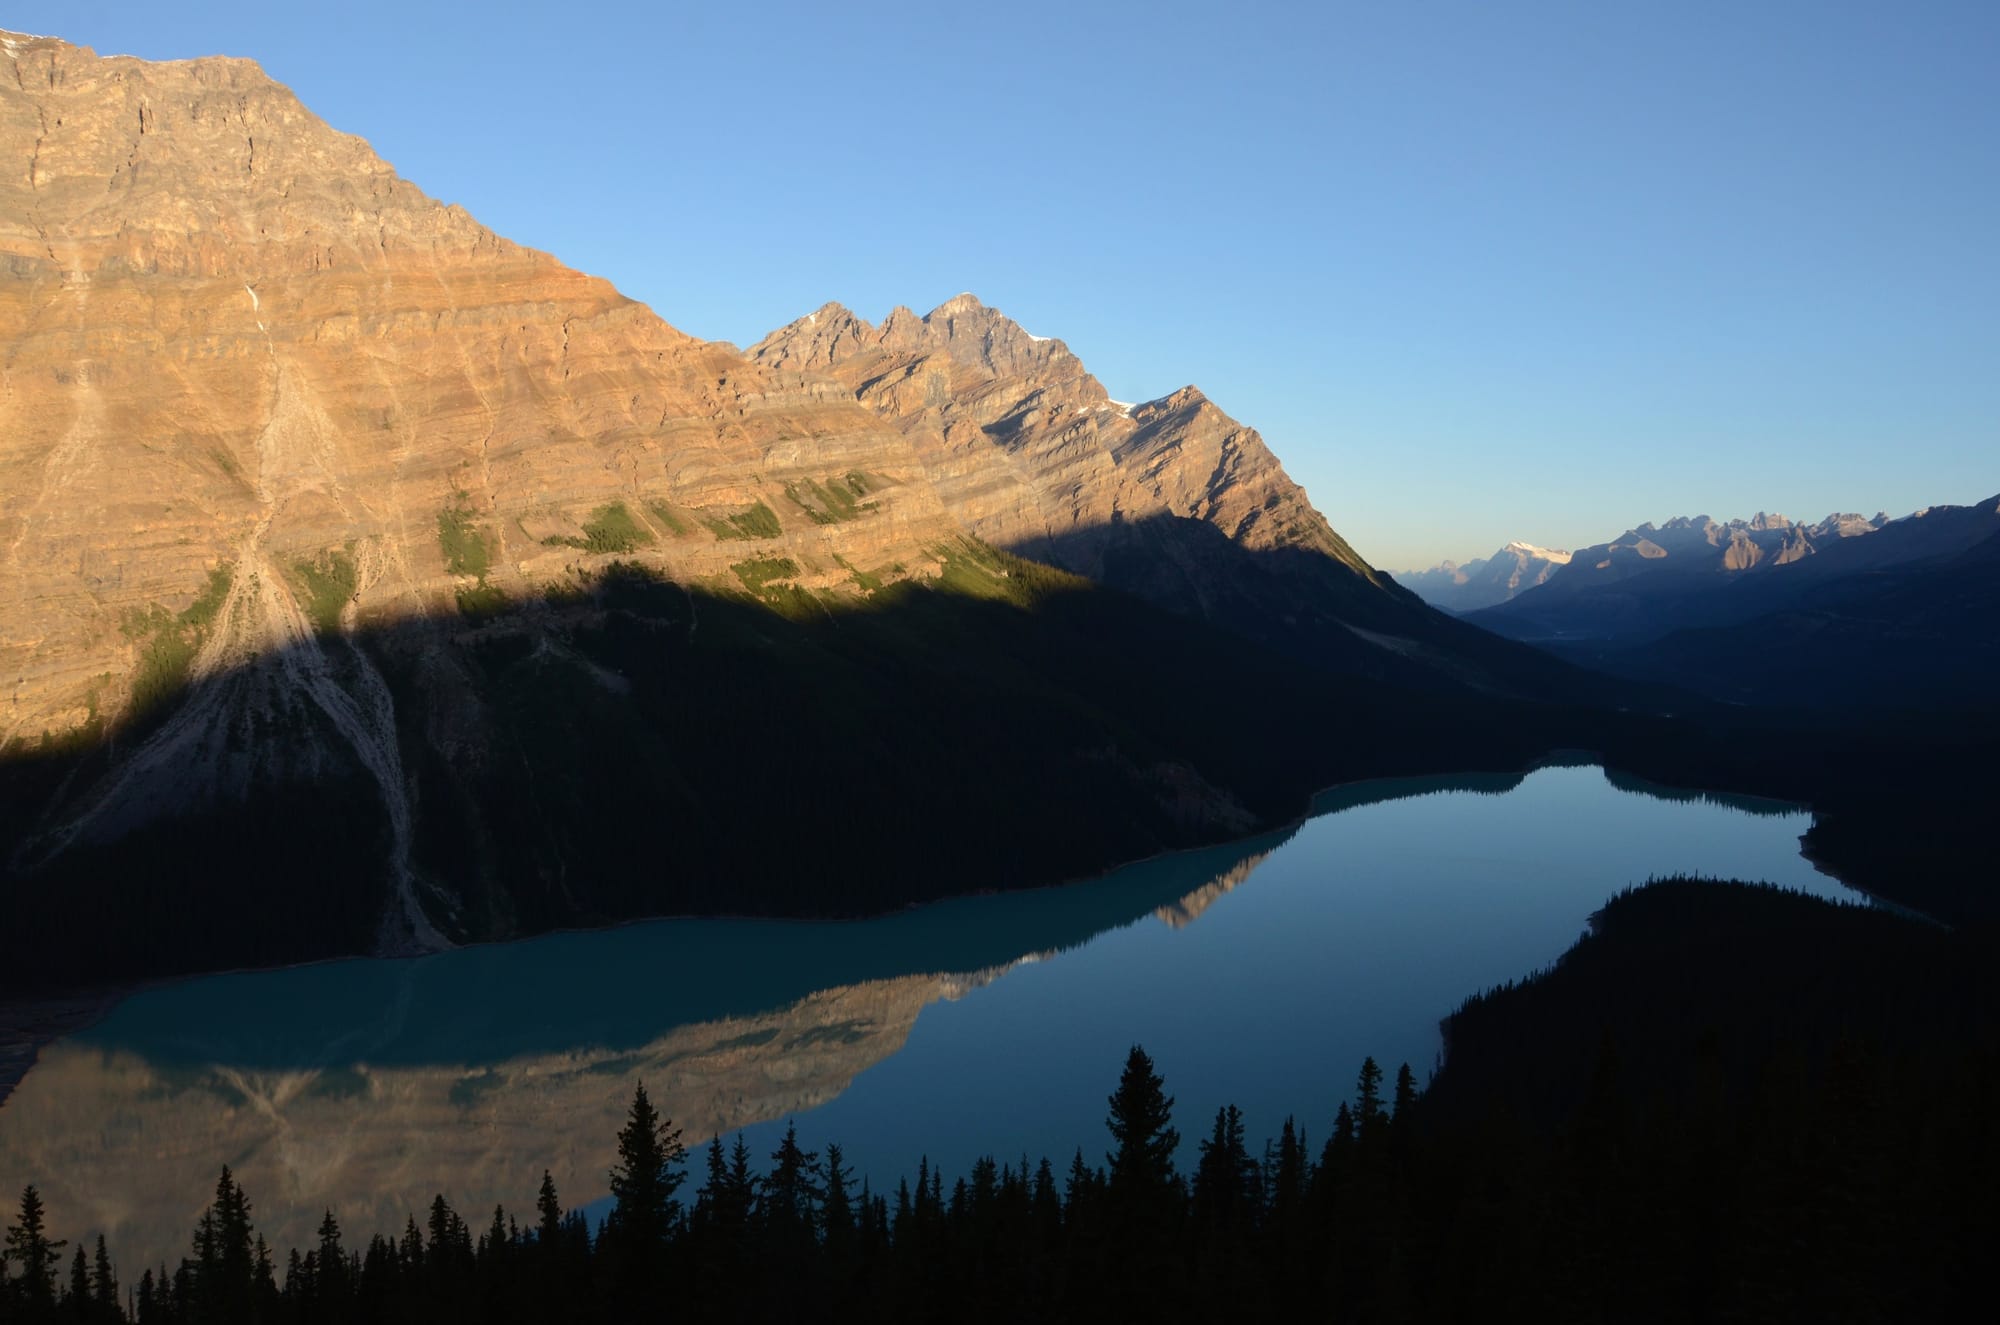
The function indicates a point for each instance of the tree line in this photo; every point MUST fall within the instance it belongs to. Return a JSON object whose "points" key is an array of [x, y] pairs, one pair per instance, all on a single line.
{"points": [[1684, 1204]]}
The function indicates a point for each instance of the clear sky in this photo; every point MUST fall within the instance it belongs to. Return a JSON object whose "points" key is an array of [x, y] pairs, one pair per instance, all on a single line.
{"points": [[1477, 271]]}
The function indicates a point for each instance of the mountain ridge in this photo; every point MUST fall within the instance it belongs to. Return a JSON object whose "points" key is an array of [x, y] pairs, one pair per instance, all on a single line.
{"points": [[1485, 581], [1695, 571]]}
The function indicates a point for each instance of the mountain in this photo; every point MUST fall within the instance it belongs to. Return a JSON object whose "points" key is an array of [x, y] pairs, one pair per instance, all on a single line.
{"points": [[1906, 634], [1487, 581], [243, 353], [1848, 611], [1696, 572], [370, 582], [1169, 499], [1641, 581]]}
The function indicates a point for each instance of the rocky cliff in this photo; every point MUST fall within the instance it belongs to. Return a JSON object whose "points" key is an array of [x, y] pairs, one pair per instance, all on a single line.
{"points": [[1170, 498], [238, 345]]}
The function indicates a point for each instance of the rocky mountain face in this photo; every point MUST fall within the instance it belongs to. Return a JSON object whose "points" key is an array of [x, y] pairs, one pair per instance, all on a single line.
{"points": [[1485, 581], [1171, 499], [336, 530], [240, 347]]}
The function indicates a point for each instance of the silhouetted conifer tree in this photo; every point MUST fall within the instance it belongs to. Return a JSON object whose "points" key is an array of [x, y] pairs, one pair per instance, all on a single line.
{"points": [[28, 1247], [548, 1232], [104, 1282], [1369, 1115], [1143, 1198], [77, 1299], [1141, 1162]]}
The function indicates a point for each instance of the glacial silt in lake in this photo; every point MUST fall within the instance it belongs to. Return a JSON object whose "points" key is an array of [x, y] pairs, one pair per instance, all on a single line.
{"points": [[1260, 972]]}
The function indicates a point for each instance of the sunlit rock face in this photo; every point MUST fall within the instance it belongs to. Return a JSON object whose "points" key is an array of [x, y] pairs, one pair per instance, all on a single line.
{"points": [[1027, 446], [237, 341], [1170, 498]]}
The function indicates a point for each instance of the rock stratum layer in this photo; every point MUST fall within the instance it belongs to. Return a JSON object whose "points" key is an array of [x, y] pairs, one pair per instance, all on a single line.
{"points": [[1171, 499], [237, 341]]}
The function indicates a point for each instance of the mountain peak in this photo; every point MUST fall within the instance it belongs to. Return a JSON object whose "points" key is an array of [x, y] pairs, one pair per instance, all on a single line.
{"points": [[1188, 397], [1030, 446], [1486, 581], [965, 302]]}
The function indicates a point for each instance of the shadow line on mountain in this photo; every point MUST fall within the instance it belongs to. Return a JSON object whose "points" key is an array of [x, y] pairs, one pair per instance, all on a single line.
{"points": [[640, 747], [1303, 602]]}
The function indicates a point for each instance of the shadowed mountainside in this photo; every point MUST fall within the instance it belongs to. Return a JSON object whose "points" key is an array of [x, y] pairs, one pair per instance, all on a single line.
{"points": [[1697, 573], [639, 748], [1882, 638]]}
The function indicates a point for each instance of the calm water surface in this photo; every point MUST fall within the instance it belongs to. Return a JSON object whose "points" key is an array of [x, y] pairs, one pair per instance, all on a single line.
{"points": [[1259, 973]]}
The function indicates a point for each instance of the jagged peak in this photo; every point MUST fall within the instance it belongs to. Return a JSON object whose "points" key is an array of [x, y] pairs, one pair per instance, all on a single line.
{"points": [[1188, 397], [1557, 555], [831, 312], [963, 302]]}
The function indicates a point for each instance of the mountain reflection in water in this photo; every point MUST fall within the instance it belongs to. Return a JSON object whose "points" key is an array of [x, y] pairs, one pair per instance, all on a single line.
{"points": [[367, 1086]]}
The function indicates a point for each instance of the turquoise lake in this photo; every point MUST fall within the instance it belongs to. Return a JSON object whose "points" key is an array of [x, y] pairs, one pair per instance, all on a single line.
{"points": [[1259, 973]]}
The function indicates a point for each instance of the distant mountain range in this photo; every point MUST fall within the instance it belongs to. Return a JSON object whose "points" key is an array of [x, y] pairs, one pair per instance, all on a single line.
{"points": [[1848, 610], [1485, 581]]}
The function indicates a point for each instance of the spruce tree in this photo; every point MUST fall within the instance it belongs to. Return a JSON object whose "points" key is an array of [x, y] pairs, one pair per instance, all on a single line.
{"points": [[1368, 1112], [648, 1173], [1225, 1178], [330, 1280], [646, 1214], [1143, 1201], [792, 1191], [28, 1246], [103, 1283], [837, 1212], [78, 1296], [1141, 1162], [548, 1232]]}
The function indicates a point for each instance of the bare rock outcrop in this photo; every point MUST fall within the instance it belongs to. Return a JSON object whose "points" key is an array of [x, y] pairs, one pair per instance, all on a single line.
{"points": [[237, 342]]}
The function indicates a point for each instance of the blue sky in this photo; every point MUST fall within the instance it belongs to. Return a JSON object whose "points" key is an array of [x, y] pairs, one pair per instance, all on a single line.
{"points": [[1476, 271]]}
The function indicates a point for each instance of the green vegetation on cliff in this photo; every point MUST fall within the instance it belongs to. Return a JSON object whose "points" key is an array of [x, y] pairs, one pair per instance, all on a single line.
{"points": [[464, 544], [326, 584], [760, 521], [168, 642]]}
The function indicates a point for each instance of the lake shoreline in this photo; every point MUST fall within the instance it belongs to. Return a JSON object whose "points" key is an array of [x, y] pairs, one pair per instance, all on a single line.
{"points": [[30, 1023]]}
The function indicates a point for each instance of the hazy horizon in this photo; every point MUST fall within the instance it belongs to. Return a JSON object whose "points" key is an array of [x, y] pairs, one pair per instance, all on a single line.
{"points": [[1476, 275]]}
